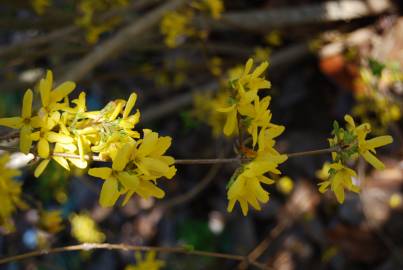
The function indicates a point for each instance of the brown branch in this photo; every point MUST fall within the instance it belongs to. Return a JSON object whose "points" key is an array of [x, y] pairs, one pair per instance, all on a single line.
{"points": [[119, 42], [200, 161], [125, 247], [331, 11]]}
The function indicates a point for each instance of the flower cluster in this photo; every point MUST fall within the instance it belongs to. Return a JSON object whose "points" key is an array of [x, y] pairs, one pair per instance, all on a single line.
{"points": [[10, 193], [351, 143], [71, 135], [147, 263], [246, 111]]}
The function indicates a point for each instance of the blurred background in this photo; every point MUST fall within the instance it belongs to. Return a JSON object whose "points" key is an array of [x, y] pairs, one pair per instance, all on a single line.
{"points": [[327, 58]]}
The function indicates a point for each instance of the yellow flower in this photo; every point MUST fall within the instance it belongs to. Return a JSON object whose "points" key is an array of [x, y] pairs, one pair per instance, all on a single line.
{"points": [[266, 137], [117, 179], [25, 123], [149, 157], [261, 117], [366, 148], [85, 230], [50, 97], [340, 178], [247, 189], [246, 88], [149, 263]]}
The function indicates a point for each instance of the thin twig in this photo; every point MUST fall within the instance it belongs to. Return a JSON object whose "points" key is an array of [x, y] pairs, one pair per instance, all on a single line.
{"points": [[207, 161], [314, 152], [125, 247], [200, 161]]}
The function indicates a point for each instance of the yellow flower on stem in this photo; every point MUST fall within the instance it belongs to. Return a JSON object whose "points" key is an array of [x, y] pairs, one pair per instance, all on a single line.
{"points": [[46, 136], [149, 157], [117, 180], [341, 177], [261, 117], [50, 97], [366, 148], [247, 189], [25, 123], [246, 87]]}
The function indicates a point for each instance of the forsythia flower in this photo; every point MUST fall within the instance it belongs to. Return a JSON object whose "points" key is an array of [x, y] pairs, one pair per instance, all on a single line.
{"points": [[246, 88], [351, 142], [85, 230], [247, 188], [10, 192], [25, 123], [135, 168], [340, 178], [149, 263], [366, 148]]}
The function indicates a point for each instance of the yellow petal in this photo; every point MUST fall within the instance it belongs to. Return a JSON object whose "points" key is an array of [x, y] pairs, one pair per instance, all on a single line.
{"points": [[373, 160], [379, 141], [62, 91], [63, 162], [11, 122], [35, 136], [25, 139], [248, 66], [231, 123], [43, 148], [41, 167], [244, 207], [149, 142], [147, 189], [103, 172], [339, 192], [58, 137], [129, 105], [231, 204], [260, 69], [130, 181], [122, 158], [27, 104], [82, 164], [109, 193], [349, 120], [226, 109], [45, 85]]}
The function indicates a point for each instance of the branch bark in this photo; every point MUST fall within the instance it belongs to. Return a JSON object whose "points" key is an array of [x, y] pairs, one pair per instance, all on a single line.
{"points": [[332, 11]]}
